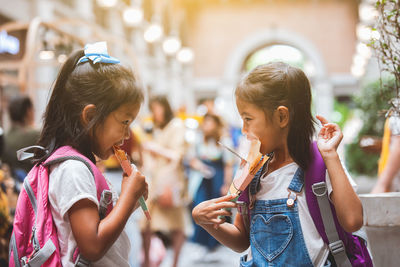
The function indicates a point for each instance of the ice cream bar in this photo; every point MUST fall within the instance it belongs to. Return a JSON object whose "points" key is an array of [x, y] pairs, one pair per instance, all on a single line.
{"points": [[128, 169], [248, 168]]}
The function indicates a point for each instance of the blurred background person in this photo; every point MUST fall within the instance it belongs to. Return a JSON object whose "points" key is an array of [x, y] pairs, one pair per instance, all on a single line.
{"points": [[215, 166], [162, 158], [5, 218], [21, 134], [389, 162]]}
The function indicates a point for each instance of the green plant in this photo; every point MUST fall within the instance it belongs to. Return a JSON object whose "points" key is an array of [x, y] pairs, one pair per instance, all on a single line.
{"points": [[371, 101], [341, 113], [387, 45]]}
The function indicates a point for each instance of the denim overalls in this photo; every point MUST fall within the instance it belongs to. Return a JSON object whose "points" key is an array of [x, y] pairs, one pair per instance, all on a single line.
{"points": [[276, 238]]}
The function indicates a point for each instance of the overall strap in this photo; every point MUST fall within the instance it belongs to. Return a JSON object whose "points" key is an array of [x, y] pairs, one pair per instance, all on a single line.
{"points": [[297, 183], [254, 185], [295, 187]]}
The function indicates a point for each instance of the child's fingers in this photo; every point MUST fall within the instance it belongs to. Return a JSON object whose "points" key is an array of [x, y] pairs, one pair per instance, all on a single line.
{"points": [[223, 212], [225, 205], [217, 221], [322, 131], [331, 125], [225, 198], [322, 119], [134, 173]]}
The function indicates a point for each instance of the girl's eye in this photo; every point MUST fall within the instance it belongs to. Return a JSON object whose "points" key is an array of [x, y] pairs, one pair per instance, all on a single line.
{"points": [[247, 119], [127, 122]]}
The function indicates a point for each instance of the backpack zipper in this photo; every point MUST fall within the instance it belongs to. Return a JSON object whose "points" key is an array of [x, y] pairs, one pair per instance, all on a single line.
{"points": [[35, 243]]}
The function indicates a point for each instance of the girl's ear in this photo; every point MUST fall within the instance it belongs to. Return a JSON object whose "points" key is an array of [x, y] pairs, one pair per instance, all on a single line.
{"points": [[283, 116], [88, 113]]}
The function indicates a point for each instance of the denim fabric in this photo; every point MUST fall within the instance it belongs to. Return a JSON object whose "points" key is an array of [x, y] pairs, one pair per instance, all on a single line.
{"points": [[276, 238]]}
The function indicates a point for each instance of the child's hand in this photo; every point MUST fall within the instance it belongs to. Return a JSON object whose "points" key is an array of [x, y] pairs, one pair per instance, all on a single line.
{"points": [[379, 188], [329, 137], [134, 186], [208, 212]]}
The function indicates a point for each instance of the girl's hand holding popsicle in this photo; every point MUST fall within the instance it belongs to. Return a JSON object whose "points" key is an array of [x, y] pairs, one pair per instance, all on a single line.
{"points": [[209, 212], [135, 187], [135, 182]]}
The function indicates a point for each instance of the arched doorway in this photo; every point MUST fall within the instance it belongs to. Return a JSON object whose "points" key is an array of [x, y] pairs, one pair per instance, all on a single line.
{"points": [[280, 52], [248, 53]]}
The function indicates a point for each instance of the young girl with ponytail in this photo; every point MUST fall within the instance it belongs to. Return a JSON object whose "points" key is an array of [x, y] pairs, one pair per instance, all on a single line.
{"points": [[274, 101]]}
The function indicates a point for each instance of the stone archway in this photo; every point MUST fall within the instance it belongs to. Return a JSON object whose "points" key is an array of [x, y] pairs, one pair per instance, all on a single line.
{"points": [[323, 93]]}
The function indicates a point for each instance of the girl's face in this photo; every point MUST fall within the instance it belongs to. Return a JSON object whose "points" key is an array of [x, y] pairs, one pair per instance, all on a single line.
{"points": [[115, 129], [257, 124], [158, 113], [209, 126]]}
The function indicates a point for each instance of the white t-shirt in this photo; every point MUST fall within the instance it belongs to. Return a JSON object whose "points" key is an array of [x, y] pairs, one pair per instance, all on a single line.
{"points": [[274, 186], [69, 182]]}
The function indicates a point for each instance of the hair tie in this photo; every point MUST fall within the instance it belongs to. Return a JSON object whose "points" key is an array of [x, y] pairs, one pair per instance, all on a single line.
{"points": [[97, 53]]}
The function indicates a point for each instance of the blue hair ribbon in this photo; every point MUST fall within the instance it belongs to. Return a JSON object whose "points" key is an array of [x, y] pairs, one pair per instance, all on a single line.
{"points": [[97, 53]]}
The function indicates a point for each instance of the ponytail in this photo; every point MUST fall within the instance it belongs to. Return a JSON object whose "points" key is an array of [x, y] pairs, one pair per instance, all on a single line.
{"points": [[302, 122]]}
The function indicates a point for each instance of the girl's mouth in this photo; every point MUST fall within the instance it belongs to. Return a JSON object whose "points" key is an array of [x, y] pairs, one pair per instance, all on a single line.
{"points": [[121, 143]]}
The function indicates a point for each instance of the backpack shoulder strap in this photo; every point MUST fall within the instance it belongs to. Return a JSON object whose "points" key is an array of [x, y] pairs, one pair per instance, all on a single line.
{"points": [[315, 174], [104, 194], [321, 209], [68, 153]]}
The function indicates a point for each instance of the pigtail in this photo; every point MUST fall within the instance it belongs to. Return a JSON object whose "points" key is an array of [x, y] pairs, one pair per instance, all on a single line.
{"points": [[52, 136]]}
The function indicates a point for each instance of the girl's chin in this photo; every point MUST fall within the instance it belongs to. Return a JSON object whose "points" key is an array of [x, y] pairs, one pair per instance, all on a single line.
{"points": [[109, 153], [264, 151], [106, 154]]}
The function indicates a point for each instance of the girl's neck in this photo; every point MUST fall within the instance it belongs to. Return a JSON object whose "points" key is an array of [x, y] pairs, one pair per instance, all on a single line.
{"points": [[281, 158]]}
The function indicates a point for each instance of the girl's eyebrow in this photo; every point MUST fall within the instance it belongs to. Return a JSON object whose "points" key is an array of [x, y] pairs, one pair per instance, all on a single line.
{"points": [[129, 114]]}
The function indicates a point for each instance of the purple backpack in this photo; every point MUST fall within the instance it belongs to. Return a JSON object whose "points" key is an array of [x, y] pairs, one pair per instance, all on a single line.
{"points": [[355, 247], [34, 241]]}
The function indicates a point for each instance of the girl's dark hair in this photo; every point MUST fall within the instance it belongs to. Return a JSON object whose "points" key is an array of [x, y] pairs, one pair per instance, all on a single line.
{"points": [[168, 113], [218, 131], [107, 86], [279, 84]]}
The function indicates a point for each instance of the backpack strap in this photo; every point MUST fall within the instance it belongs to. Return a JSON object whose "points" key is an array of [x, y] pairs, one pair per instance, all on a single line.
{"points": [[66, 152], [23, 154], [64, 158], [335, 245], [13, 248], [321, 210], [39, 254], [104, 195]]}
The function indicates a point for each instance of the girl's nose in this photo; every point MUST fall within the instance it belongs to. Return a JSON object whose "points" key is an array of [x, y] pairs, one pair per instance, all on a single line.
{"points": [[127, 133], [244, 130]]}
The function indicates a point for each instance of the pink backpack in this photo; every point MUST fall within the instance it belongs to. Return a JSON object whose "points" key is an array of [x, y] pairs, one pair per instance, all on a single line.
{"points": [[34, 240]]}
